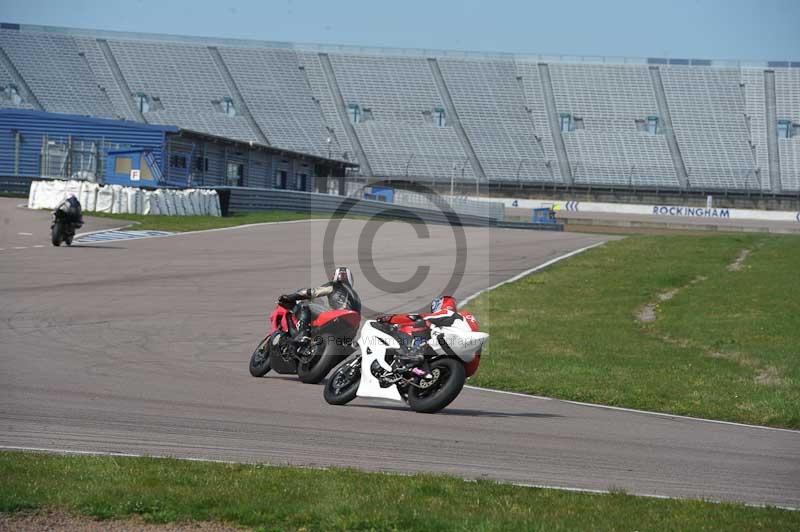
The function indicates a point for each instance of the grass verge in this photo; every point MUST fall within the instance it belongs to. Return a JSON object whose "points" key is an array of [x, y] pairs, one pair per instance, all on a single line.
{"points": [[198, 223], [667, 323], [284, 498]]}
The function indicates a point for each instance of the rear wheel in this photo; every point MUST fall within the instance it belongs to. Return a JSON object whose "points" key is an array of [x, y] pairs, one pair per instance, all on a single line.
{"points": [[55, 233], [435, 394], [259, 360], [342, 386]]}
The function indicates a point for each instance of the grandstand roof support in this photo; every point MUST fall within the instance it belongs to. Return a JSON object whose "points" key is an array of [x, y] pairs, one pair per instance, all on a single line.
{"points": [[238, 99], [672, 141], [27, 93], [330, 76], [555, 126], [771, 112], [452, 115], [108, 55]]}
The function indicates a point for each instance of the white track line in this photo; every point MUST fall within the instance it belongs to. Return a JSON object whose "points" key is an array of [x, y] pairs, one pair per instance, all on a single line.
{"points": [[519, 484], [133, 225], [530, 271], [647, 412]]}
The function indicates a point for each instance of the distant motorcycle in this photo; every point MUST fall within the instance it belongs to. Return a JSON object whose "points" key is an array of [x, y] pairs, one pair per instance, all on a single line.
{"points": [[451, 354], [332, 333], [67, 217]]}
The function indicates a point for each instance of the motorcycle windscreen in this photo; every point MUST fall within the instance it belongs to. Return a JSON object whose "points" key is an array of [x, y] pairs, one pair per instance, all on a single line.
{"points": [[369, 385]]}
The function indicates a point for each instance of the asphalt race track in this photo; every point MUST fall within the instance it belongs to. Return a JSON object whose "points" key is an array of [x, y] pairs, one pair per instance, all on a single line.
{"points": [[141, 346]]}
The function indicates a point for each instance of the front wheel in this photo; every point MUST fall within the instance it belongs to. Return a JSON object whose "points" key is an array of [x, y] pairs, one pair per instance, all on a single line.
{"points": [[259, 360], [435, 394], [342, 385], [55, 233]]}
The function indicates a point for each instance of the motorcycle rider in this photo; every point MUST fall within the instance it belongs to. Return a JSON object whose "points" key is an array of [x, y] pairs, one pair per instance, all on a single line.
{"points": [[444, 312], [341, 296], [71, 208]]}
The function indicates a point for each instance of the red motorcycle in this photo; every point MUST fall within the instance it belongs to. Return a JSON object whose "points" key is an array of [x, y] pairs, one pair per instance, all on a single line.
{"points": [[332, 333]]}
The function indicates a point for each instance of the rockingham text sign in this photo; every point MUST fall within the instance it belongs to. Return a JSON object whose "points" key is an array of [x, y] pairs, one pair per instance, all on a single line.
{"points": [[699, 212]]}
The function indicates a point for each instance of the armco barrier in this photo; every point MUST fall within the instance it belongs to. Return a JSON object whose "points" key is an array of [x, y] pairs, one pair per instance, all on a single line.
{"points": [[236, 200], [15, 185]]}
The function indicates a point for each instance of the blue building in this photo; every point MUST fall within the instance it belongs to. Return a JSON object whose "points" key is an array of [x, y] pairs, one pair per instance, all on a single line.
{"points": [[41, 144]]}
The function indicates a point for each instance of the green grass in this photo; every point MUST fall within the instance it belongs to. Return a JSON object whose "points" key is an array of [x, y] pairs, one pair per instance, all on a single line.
{"points": [[282, 498], [726, 346], [197, 223]]}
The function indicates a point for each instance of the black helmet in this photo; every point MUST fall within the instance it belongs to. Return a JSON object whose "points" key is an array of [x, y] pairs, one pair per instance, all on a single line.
{"points": [[343, 274]]}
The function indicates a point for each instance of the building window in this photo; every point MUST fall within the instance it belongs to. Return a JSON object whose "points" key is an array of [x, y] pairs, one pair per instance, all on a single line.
{"points": [[142, 102], [439, 118], [145, 173], [177, 161], [784, 129], [235, 174], [123, 165], [227, 106], [577, 122], [566, 122], [201, 164], [354, 110], [652, 125], [11, 94], [301, 181], [280, 179]]}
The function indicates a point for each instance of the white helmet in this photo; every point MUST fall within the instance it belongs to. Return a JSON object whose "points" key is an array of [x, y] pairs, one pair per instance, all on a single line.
{"points": [[343, 274]]}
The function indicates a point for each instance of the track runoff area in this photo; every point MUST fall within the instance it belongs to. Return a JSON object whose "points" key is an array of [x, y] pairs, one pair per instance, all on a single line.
{"points": [[140, 347]]}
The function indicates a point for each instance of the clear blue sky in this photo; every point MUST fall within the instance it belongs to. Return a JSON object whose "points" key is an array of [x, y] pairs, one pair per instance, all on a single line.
{"points": [[713, 29]]}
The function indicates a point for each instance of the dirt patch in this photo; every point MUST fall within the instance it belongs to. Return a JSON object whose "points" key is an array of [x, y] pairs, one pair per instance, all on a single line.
{"points": [[62, 521], [669, 294], [738, 264], [646, 314], [769, 376], [739, 358]]}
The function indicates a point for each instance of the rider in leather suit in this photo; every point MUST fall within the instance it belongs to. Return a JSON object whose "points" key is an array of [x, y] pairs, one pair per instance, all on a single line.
{"points": [[444, 312], [341, 296]]}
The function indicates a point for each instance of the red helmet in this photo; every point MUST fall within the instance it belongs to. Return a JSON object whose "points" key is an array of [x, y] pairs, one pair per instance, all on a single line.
{"points": [[444, 303]]}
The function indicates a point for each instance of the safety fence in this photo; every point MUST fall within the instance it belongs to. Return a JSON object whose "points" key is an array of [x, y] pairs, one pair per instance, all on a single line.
{"points": [[237, 200]]}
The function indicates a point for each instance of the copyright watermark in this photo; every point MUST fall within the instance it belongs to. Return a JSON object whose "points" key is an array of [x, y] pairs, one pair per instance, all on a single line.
{"points": [[422, 264]]}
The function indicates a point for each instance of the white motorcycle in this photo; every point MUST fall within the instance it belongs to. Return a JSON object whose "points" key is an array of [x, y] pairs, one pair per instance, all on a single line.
{"points": [[450, 355]]}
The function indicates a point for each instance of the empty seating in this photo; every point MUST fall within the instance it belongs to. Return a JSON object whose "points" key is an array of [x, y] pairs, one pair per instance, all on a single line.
{"points": [[605, 146], [57, 75], [401, 120], [279, 97], [787, 99], [186, 81], [397, 98], [490, 103], [708, 115]]}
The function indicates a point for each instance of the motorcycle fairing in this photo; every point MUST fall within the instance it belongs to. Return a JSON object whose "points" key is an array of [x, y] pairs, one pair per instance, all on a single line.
{"points": [[373, 344]]}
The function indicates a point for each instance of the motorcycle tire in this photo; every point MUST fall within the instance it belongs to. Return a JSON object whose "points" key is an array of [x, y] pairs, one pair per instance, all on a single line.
{"points": [[341, 395], [55, 233], [259, 360], [68, 239], [315, 371], [450, 379]]}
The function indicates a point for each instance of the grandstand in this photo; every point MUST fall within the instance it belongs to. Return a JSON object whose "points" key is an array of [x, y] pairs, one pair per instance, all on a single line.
{"points": [[435, 116]]}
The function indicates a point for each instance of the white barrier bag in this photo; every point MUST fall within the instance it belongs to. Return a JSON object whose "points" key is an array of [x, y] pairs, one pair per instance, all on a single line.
{"points": [[88, 196], [105, 199]]}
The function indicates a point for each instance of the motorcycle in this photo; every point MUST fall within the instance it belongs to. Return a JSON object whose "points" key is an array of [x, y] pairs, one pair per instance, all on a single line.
{"points": [[62, 228], [450, 355], [332, 333]]}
